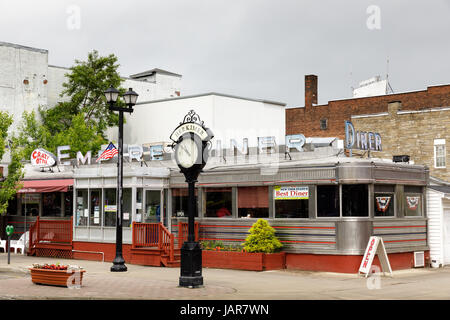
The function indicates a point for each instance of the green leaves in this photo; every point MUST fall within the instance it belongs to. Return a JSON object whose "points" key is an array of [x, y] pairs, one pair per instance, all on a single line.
{"points": [[262, 238], [10, 185]]}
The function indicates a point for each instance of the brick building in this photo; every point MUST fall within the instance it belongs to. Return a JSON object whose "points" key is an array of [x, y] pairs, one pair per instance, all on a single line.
{"points": [[412, 123]]}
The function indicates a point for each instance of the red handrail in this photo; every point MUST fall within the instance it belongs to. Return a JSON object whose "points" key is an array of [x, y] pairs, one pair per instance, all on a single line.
{"points": [[153, 235], [166, 243], [183, 229]]}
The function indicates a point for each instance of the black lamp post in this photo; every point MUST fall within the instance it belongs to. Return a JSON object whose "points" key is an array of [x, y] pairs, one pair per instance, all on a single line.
{"points": [[130, 98]]}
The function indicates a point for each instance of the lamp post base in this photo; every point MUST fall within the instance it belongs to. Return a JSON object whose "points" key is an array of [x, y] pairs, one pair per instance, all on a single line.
{"points": [[119, 265], [191, 265]]}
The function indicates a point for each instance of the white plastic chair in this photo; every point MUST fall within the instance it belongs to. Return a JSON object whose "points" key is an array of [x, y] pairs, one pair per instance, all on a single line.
{"points": [[20, 244], [3, 244]]}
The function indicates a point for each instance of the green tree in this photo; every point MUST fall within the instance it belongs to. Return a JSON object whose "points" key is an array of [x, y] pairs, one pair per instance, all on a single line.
{"points": [[262, 238], [85, 86], [10, 185]]}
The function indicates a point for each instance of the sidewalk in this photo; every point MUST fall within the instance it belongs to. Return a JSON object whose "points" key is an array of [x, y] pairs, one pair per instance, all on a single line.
{"points": [[143, 282]]}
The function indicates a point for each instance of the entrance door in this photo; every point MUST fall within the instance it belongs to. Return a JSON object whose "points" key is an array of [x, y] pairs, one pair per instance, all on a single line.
{"points": [[152, 213], [446, 230]]}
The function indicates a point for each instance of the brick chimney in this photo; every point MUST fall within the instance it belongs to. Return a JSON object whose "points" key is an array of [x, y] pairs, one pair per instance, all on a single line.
{"points": [[310, 90]]}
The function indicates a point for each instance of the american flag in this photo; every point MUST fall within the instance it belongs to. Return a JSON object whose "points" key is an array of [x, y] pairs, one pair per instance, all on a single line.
{"points": [[109, 152]]}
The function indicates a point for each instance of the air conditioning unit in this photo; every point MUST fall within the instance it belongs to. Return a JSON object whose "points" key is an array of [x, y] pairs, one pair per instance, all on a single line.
{"points": [[419, 259]]}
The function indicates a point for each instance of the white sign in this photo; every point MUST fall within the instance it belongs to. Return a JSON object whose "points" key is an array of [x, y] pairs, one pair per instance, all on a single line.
{"points": [[42, 158], [189, 127], [290, 193], [373, 248]]}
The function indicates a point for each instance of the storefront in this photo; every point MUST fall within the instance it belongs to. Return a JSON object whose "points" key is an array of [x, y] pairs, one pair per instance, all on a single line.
{"points": [[323, 210]]}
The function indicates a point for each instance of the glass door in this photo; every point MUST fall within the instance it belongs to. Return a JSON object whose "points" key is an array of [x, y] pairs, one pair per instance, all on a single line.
{"points": [[152, 213]]}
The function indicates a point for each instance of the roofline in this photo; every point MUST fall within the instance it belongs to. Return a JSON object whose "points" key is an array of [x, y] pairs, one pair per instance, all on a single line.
{"points": [[215, 94], [155, 70], [382, 95], [18, 46], [53, 66]]}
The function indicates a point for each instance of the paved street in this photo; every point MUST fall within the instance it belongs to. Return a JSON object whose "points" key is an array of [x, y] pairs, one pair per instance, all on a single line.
{"points": [[142, 282]]}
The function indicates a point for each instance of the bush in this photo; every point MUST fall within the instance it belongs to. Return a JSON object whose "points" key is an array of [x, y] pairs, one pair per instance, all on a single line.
{"points": [[262, 238]]}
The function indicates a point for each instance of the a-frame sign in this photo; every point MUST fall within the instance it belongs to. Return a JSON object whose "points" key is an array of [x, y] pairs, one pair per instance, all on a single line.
{"points": [[375, 246]]}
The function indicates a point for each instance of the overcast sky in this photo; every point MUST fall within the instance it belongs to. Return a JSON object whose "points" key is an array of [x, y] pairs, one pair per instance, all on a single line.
{"points": [[252, 48]]}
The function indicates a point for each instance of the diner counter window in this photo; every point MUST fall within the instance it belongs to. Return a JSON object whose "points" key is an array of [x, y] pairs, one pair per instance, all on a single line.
{"points": [[218, 202], [355, 200], [413, 201], [51, 204], [291, 201], [180, 199], [95, 210], [328, 201], [82, 210], [253, 202], [109, 207]]}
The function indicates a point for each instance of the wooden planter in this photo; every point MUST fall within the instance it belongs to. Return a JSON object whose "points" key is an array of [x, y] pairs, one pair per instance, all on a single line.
{"points": [[243, 260], [55, 277]]}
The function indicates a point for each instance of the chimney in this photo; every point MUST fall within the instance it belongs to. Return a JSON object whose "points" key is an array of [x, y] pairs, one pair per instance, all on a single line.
{"points": [[310, 90]]}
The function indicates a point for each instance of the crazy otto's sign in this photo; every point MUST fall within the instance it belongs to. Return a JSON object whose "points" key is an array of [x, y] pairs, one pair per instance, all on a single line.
{"points": [[42, 158], [290, 193]]}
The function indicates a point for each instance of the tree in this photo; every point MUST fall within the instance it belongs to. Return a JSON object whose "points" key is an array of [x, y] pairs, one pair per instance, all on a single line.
{"points": [[10, 185], [85, 86]]}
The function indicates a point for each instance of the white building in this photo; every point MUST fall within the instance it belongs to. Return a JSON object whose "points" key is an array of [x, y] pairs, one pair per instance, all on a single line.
{"points": [[230, 117], [373, 87], [27, 81]]}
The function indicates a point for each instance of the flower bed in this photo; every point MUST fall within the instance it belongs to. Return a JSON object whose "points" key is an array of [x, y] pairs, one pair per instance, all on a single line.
{"points": [[254, 261], [57, 275]]}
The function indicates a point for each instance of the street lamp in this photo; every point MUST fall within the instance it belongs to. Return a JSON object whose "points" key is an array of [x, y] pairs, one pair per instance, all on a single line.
{"points": [[130, 98]]}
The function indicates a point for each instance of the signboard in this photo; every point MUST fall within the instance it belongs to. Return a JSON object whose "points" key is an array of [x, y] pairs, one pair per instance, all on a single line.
{"points": [[360, 139], [290, 193], [110, 208], [42, 158], [375, 246], [189, 127]]}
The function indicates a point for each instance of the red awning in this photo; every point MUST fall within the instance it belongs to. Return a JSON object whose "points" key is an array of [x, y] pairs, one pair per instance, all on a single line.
{"points": [[38, 186]]}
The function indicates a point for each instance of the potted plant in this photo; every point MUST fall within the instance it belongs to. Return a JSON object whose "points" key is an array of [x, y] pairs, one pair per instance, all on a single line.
{"points": [[70, 276], [259, 252]]}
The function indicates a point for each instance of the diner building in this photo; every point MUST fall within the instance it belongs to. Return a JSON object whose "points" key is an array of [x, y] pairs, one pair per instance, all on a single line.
{"points": [[323, 205]]}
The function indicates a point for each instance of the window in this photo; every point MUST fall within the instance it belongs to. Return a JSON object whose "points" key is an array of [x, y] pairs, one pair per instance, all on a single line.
{"points": [[30, 204], [152, 206], [68, 203], [323, 124], [180, 199], [126, 216], [384, 201], [355, 200], [82, 210], [328, 201], [253, 202], [413, 201], [218, 202], [109, 207], [439, 153], [94, 215], [291, 201], [51, 204]]}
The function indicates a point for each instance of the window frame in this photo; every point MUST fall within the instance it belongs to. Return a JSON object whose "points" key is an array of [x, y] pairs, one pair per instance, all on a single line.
{"points": [[274, 200], [395, 205], [316, 201], [422, 213], [439, 143], [341, 202]]}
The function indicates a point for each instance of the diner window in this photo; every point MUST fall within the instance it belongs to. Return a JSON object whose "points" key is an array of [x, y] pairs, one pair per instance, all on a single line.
{"points": [[413, 201], [328, 201], [95, 210], [180, 199], [439, 153], [51, 204], [218, 202], [384, 201], [30, 204], [152, 206], [82, 210], [126, 210], [355, 201], [139, 204], [291, 201], [253, 202], [68, 203], [110, 207]]}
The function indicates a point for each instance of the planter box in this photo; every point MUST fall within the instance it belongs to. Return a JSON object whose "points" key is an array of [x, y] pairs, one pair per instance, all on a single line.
{"points": [[243, 260], [55, 277]]}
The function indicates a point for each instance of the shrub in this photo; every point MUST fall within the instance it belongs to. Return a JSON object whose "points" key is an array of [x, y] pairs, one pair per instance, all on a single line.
{"points": [[262, 238]]}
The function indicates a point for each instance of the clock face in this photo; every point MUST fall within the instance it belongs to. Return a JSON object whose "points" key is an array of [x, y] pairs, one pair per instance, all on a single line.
{"points": [[187, 153]]}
